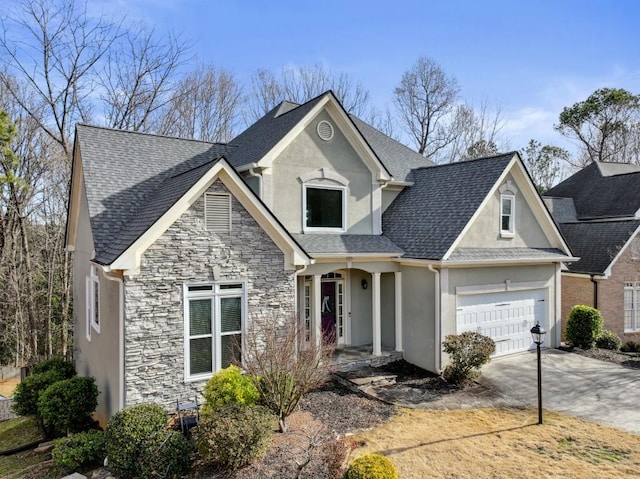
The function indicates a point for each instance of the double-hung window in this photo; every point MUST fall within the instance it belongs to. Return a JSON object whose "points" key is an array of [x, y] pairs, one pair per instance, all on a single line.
{"points": [[324, 208], [93, 302], [215, 314], [632, 306], [507, 215]]}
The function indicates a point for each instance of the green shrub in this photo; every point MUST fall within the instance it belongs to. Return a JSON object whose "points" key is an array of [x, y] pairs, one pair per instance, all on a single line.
{"points": [[165, 454], [609, 340], [66, 406], [63, 367], [229, 386], [79, 452], [27, 393], [371, 466], [584, 326], [233, 436], [630, 347], [127, 433], [467, 353]]}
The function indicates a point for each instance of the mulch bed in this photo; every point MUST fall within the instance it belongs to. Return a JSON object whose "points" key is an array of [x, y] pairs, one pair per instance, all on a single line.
{"points": [[627, 360]]}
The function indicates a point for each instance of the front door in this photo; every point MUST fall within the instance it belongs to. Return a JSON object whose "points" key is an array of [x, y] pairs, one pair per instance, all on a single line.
{"points": [[328, 311]]}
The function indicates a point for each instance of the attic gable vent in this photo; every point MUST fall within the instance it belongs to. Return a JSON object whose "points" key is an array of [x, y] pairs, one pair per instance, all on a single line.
{"points": [[325, 130], [217, 212]]}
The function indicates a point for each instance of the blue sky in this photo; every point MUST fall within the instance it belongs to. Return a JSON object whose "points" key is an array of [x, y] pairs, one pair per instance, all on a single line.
{"points": [[530, 57]]}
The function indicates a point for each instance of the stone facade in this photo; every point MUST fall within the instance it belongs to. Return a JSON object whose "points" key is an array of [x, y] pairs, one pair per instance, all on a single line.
{"points": [[185, 253], [579, 290]]}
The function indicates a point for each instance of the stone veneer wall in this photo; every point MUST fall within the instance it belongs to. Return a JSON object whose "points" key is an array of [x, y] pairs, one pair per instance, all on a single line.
{"points": [[154, 303]]}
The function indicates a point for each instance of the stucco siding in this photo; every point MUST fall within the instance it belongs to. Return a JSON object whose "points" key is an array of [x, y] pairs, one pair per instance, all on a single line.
{"points": [[484, 232], [361, 302], [308, 153], [186, 252], [388, 309], [97, 357], [418, 317]]}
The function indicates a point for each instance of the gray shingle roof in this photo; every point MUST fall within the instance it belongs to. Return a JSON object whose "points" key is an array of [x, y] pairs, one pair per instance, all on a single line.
{"points": [[598, 196], [426, 219], [130, 181], [347, 244], [399, 159], [257, 140], [562, 209], [596, 242], [497, 254]]}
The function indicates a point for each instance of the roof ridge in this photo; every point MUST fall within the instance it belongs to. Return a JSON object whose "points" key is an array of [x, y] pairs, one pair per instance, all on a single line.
{"points": [[214, 160], [298, 105], [156, 135], [462, 162]]}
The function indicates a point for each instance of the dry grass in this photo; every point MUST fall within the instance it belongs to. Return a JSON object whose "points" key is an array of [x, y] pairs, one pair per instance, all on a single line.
{"points": [[7, 386], [496, 443]]}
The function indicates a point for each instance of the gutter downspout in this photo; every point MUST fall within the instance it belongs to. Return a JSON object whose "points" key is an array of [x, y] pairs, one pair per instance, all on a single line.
{"points": [[438, 319], [595, 291], [112, 277]]}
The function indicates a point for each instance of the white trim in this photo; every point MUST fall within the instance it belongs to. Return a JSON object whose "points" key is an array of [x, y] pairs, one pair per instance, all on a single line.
{"points": [[321, 135], [215, 294], [375, 314], [341, 119], [88, 301], [316, 282], [323, 174], [129, 260], [95, 298], [398, 309], [121, 342], [533, 200], [500, 287], [607, 272], [324, 229], [510, 232]]}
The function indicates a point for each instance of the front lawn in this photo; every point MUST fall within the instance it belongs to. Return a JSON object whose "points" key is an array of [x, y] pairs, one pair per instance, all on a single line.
{"points": [[496, 443]]}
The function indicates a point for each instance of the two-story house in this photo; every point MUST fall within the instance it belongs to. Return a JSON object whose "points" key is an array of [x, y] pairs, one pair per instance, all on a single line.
{"points": [[310, 215]]}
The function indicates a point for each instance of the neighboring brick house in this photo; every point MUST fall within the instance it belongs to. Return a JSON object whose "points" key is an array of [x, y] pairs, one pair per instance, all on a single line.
{"points": [[310, 215], [598, 212]]}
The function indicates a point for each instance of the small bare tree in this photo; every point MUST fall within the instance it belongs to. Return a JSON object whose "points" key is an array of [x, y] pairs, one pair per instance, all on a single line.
{"points": [[283, 366], [426, 100]]}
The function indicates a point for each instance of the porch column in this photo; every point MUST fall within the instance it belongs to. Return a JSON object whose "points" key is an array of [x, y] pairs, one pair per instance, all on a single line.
{"points": [[317, 309], [375, 313], [398, 312]]}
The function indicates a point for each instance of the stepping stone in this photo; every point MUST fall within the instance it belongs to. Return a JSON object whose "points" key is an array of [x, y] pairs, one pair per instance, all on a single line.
{"points": [[44, 447], [75, 475]]}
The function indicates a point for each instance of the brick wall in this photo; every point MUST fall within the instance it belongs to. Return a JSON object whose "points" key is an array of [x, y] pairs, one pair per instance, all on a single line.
{"points": [[611, 291], [577, 290], [186, 252]]}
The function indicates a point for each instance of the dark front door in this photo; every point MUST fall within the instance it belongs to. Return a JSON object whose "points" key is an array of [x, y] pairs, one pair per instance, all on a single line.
{"points": [[328, 310]]}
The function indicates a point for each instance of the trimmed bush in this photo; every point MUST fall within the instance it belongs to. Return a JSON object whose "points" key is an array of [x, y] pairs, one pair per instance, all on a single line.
{"points": [[79, 452], [232, 436], [165, 454], [63, 367], [371, 466], [630, 347], [609, 340], [134, 437], [467, 353], [66, 406], [584, 326], [229, 386], [27, 393]]}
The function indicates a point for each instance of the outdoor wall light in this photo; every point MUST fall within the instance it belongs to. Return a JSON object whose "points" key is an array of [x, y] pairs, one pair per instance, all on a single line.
{"points": [[537, 334], [364, 284]]}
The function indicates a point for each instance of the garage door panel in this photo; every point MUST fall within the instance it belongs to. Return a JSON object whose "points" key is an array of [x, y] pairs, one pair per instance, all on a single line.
{"points": [[506, 317]]}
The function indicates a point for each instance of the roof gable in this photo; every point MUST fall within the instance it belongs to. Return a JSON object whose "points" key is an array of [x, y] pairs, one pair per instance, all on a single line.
{"points": [[262, 142], [602, 190]]}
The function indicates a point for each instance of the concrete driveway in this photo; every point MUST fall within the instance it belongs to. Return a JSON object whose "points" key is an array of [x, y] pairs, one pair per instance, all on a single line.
{"points": [[571, 384]]}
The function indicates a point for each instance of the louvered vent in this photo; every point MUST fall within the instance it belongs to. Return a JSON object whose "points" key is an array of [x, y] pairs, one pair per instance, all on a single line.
{"points": [[217, 212], [325, 130]]}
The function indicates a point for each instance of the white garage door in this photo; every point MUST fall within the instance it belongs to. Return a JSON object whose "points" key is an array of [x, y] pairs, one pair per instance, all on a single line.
{"points": [[506, 317]]}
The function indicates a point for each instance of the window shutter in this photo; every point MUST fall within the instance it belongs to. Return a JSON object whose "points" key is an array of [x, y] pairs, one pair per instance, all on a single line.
{"points": [[217, 212]]}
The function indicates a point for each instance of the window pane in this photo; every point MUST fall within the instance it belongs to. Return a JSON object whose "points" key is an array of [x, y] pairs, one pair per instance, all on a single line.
{"points": [[505, 223], [231, 286], [96, 303], [200, 356], [231, 314], [506, 206], [199, 317], [324, 208], [230, 345]]}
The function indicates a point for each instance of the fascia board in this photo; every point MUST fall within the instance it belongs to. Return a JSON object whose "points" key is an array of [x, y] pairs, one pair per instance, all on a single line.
{"points": [[75, 197], [130, 259]]}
